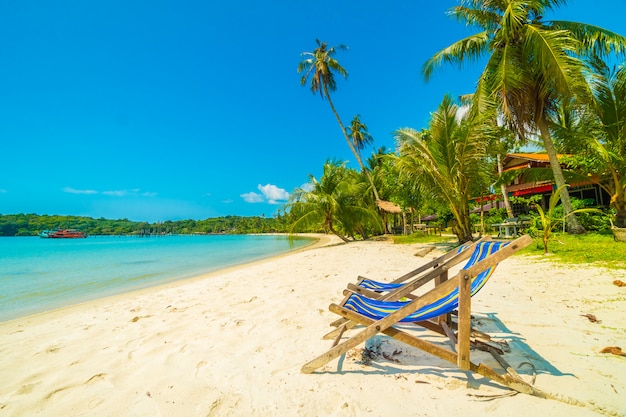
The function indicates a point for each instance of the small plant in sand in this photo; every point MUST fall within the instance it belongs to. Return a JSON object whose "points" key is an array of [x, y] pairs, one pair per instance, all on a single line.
{"points": [[549, 220]]}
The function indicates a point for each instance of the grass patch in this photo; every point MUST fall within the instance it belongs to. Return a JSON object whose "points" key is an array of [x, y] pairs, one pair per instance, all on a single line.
{"points": [[587, 249], [423, 238]]}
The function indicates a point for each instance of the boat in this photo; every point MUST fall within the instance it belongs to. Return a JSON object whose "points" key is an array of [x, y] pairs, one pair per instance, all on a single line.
{"points": [[63, 234]]}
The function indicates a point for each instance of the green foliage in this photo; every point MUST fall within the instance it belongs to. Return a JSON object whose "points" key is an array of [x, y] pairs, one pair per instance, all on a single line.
{"points": [[447, 159], [532, 66], [338, 203], [32, 224], [595, 133]]}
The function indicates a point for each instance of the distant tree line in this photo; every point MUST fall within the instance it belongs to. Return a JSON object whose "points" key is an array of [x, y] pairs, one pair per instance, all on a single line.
{"points": [[33, 224]]}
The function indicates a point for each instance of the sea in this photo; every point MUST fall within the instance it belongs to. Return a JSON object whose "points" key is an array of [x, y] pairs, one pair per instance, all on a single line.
{"points": [[38, 274]]}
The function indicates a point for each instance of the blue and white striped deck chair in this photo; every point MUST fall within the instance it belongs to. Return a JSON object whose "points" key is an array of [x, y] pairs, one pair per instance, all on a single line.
{"points": [[376, 308], [380, 316], [402, 288]]}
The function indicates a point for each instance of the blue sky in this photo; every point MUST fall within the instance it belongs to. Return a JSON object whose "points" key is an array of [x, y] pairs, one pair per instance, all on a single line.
{"points": [[168, 109]]}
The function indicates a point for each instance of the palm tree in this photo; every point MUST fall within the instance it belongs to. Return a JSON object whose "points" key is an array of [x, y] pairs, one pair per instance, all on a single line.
{"points": [[320, 67], [359, 134], [596, 133], [532, 65], [447, 159], [335, 203], [609, 89]]}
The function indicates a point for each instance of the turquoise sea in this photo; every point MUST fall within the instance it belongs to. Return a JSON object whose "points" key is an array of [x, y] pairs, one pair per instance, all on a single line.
{"points": [[43, 274]]}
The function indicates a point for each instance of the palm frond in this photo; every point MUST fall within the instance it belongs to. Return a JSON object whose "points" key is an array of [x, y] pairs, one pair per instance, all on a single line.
{"points": [[593, 40], [609, 89], [485, 19], [468, 49], [553, 55]]}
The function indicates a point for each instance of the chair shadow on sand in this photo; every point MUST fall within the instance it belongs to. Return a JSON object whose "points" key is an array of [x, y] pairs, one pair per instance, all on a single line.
{"points": [[386, 356]]}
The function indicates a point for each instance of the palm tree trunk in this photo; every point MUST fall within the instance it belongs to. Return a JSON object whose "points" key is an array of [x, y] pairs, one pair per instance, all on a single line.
{"points": [[618, 198], [505, 196], [573, 226], [339, 235], [350, 145], [463, 227]]}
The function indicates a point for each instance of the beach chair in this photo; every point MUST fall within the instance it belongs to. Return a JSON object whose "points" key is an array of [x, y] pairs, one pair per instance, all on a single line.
{"points": [[434, 271], [384, 316]]}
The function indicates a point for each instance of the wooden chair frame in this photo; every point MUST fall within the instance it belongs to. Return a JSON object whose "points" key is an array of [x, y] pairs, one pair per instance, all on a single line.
{"points": [[459, 354]]}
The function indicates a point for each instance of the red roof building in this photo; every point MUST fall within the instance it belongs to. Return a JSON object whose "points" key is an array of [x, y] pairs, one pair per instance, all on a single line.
{"points": [[525, 186]]}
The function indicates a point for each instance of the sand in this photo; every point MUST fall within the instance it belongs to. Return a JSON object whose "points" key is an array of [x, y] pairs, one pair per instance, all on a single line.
{"points": [[232, 343]]}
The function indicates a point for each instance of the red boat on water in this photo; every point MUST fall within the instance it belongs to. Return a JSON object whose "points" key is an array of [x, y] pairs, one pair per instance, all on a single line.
{"points": [[63, 234]]}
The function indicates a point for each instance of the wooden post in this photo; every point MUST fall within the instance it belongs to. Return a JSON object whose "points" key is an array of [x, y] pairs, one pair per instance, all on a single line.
{"points": [[465, 311], [446, 318]]}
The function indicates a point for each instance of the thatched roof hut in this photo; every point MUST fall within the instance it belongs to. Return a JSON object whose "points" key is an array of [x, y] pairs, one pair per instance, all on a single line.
{"points": [[389, 207]]}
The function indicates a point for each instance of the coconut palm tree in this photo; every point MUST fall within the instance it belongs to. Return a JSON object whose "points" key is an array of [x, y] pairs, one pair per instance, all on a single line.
{"points": [[359, 134], [609, 89], [596, 133], [532, 64], [320, 67], [447, 159], [335, 203]]}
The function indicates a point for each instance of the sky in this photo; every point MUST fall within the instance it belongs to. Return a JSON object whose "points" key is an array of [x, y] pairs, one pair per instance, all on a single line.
{"points": [[185, 109]]}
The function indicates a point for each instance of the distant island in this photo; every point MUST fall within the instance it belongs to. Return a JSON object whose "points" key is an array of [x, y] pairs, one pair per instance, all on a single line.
{"points": [[33, 224]]}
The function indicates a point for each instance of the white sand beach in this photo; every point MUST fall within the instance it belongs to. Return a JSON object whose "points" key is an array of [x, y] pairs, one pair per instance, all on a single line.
{"points": [[232, 343]]}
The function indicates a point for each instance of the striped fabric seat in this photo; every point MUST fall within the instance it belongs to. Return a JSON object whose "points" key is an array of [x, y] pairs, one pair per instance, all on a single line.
{"points": [[378, 286], [377, 309]]}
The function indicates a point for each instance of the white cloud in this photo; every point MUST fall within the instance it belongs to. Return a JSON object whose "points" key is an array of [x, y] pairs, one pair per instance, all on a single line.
{"points": [[117, 193], [134, 191], [273, 194], [309, 186], [252, 197], [75, 191], [269, 193], [462, 112], [113, 193]]}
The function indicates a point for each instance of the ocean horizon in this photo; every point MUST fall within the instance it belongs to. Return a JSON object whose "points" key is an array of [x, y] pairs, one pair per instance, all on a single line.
{"points": [[38, 275]]}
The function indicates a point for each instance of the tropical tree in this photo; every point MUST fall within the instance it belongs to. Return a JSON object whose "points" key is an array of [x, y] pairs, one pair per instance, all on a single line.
{"points": [[335, 203], [320, 67], [359, 135], [447, 159], [595, 133], [532, 65]]}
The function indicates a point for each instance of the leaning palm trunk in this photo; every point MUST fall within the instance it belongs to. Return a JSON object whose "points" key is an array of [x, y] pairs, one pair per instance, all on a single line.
{"points": [[505, 196], [329, 225], [573, 226], [352, 148]]}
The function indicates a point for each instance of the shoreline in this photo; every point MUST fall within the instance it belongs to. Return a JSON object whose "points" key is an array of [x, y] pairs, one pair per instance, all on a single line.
{"points": [[320, 240], [233, 345]]}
